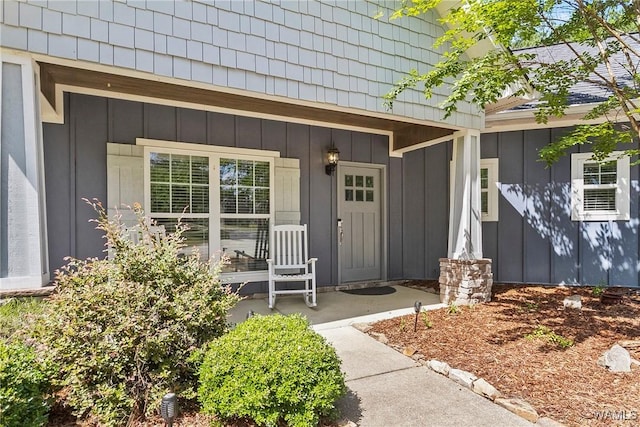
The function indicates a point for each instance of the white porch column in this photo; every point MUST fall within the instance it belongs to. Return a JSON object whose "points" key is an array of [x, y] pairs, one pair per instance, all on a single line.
{"points": [[465, 220], [23, 240], [465, 277]]}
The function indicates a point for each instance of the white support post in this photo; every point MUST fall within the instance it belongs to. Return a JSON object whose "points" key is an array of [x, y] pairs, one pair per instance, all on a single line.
{"points": [[465, 221], [23, 229]]}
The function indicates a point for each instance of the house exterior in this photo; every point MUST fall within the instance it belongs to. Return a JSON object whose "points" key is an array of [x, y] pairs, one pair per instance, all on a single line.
{"points": [[222, 113]]}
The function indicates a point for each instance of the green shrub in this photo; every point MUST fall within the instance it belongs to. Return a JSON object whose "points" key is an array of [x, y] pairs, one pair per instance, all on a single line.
{"points": [[23, 384], [16, 313], [543, 332], [123, 329], [271, 369]]}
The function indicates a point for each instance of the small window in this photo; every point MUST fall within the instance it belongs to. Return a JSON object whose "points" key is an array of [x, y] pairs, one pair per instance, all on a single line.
{"points": [[489, 189], [599, 190]]}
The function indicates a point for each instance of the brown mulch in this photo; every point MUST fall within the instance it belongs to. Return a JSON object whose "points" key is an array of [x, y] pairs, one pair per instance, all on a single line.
{"points": [[564, 384]]}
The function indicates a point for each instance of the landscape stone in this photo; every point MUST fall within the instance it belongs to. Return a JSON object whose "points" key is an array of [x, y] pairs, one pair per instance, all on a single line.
{"points": [[617, 359], [574, 302], [439, 367], [462, 377], [520, 408], [409, 351], [380, 337], [483, 388]]}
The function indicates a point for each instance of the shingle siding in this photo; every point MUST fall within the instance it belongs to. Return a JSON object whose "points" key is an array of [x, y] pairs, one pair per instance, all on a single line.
{"points": [[338, 39]]}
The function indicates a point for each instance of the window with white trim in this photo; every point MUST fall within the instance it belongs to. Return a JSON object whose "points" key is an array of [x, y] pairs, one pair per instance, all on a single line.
{"points": [[599, 190], [489, 189], [225, 198]]}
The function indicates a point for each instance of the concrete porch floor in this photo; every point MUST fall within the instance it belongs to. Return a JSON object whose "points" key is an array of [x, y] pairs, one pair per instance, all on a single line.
{"points": [[336, 308]]}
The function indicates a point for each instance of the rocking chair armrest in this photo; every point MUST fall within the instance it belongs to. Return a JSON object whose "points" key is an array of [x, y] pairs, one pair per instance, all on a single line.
{"points": [[312, 260]]}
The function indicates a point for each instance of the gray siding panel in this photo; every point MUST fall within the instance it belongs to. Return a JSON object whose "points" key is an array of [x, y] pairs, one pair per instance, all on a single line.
{"points": [[537, 256], [91, 129], [437, 208], [414, 214], [57, 171], [160, 122], [127, 121], [192, 126], [221, 129], [564, 240], [396, 223], [510, 236]]}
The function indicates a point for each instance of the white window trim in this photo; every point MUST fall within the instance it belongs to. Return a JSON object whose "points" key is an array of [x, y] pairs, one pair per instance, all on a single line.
{"points": [[492, 166], [214, 153], [577, 189]]}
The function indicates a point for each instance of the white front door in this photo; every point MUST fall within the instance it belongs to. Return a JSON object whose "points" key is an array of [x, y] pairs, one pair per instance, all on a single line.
{"points": [[359, 209]]}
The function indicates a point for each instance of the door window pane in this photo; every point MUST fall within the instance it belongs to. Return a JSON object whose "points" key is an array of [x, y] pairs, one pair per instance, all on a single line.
{"points": [[359, 195], [348, 195], [359, 181], [369, 182], [369, 195], [348, 180]]}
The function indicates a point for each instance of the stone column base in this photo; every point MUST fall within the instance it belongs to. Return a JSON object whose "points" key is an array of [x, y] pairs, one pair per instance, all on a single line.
{"points": [[464, 282]]}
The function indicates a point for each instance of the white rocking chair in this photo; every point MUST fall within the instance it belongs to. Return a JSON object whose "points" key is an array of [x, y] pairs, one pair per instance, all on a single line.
{"points": [[289, 262]]}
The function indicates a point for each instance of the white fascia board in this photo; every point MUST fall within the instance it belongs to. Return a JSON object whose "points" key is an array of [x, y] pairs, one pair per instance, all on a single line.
{"points": [[525, 119]]}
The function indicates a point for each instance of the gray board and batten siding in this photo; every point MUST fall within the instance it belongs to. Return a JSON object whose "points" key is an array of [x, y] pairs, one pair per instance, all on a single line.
{"points": [[75, 155], [535, 240]]}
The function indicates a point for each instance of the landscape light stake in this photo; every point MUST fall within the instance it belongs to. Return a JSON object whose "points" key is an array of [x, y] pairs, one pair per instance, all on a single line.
{"points": [[250, 314], [168, 409], [417, 306]]}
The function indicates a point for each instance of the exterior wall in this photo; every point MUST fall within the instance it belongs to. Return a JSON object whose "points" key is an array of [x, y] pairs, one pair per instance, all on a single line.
{"points": [[334, 53], [535, 240], [75, 155], [425, 216]]}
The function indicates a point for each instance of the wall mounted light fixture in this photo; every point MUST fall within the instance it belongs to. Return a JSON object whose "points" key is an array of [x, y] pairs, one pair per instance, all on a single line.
{"points": [[333, 155]]}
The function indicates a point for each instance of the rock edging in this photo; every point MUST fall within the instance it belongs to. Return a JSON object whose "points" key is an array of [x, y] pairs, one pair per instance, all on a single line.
{"points": [[481, 387]]}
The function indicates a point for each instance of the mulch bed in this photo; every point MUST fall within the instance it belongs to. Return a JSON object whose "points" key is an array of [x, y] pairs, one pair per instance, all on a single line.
{"points": [[564, 384]]}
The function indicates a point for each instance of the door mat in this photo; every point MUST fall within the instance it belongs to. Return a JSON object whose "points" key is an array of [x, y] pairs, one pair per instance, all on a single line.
{"points": [[379, 290]]}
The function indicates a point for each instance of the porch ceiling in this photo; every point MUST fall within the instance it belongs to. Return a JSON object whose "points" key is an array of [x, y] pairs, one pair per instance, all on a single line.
{"points": [[405, 134]]}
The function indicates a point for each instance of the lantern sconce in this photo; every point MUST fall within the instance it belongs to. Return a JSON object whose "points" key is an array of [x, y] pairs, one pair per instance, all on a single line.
{"points": [[333, 155]]}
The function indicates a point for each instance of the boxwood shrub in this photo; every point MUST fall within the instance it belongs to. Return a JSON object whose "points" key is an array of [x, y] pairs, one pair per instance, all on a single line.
{"points": [[23, 386], [271, 369]]}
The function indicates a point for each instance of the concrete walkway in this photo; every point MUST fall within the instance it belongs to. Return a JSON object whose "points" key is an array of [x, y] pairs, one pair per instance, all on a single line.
{"points": [[386, 388]]}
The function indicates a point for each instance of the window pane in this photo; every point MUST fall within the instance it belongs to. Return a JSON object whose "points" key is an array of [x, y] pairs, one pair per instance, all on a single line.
{"points": [[160, 198], [348, 180], [609, 167], [359, 195], [228, 200], [179, 198], [200, 170], [484, 178], [348, 195], [200, 199], [484, 202], [262, 174], [197, 236], [159, 167], [246, 243], [262, 200], [180, 168], [600, 199], [245, 200], [359, 181], [245, 172], [227, 172], [369, 195]]}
